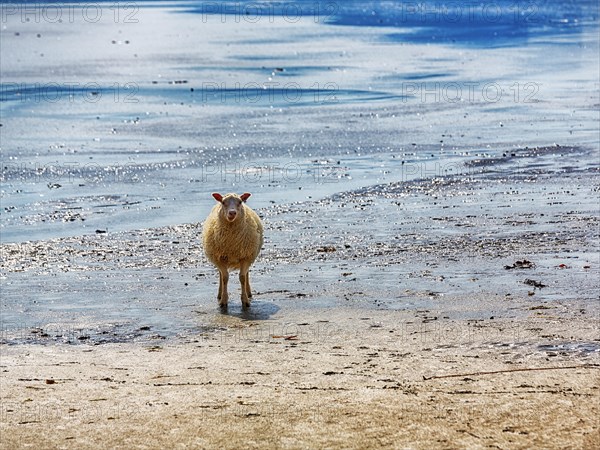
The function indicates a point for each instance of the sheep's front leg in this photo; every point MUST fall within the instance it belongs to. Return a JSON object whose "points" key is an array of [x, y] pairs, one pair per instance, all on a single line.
{"points": [[248, 290], [223, 297], [245, 284], [220, 286]]}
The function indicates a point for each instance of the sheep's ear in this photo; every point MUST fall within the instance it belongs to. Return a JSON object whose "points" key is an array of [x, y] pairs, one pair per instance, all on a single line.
{"points": [[245, 196], [218, 197]]}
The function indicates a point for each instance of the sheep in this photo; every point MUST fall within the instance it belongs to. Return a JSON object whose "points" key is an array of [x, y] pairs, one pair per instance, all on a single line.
{"points": [[233, 237]]}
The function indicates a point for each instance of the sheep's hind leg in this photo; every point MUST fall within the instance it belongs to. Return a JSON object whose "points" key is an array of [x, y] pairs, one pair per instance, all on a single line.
{"points": [[223, 280], [244, 284]]}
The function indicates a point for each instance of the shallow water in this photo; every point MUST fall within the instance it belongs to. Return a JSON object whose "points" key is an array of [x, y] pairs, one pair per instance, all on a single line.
{"points": [[178, 99], [130, 121]]}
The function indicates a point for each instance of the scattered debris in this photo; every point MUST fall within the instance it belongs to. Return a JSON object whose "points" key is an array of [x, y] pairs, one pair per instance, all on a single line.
{"points": [[293, 337], [326, 249], [535, 284], [525, 264]]}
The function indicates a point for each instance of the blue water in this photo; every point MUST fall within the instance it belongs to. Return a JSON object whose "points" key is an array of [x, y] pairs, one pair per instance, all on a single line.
{"points": [[126, 121], [471, 23]]}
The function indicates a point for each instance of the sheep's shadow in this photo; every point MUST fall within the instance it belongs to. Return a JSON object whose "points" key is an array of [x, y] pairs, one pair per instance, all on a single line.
{"points": [[256, 311]]}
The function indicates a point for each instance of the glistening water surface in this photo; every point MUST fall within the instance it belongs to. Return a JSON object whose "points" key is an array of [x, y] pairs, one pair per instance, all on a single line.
{"points": [[123, 116], [126, 116]]}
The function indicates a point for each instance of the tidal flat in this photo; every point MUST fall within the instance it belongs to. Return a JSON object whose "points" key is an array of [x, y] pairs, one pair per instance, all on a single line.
{"points": [[429, 189]]}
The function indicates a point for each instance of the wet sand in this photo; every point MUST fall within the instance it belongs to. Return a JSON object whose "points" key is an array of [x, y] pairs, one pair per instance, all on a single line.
{"points": [[448, 333]]}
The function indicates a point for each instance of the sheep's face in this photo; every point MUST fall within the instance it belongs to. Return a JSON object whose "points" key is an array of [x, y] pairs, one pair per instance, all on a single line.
{"points": [[231, 205]]}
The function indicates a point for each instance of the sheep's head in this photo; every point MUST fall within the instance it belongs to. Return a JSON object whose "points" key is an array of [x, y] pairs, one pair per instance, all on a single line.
{"points": [[231, 204]]}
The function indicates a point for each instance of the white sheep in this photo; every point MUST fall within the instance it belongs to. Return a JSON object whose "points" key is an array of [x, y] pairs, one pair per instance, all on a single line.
{"points": [[232, 237]]}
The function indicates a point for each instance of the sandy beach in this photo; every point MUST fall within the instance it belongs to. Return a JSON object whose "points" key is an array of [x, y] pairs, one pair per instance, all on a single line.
{"points": [[406, 344], [360, 388], [429, 278]]}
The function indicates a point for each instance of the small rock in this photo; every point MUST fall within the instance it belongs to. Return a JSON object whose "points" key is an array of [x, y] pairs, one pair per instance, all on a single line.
{"points": [[521, 265], [326, 249], [534, 283]]}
